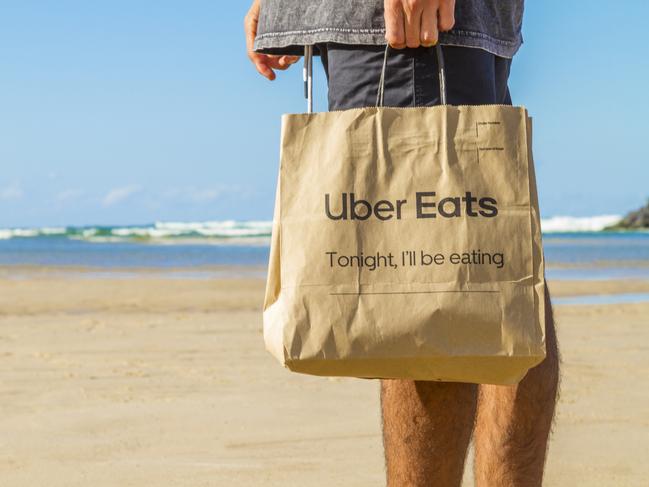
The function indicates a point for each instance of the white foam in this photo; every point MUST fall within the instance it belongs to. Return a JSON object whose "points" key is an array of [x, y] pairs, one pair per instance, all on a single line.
{"points": [[578, 224], [214, 229], [241, 232], [7, 233]]}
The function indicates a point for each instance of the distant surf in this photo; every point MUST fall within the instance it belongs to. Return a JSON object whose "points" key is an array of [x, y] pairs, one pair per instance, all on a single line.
{"points": [[234, 232], [226, 231], [569, 224]]}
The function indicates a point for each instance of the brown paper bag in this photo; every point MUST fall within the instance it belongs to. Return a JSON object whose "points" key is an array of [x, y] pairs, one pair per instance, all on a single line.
{"points": [[406, 244]]}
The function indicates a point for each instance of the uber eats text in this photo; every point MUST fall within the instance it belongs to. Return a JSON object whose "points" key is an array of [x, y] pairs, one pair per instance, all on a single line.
{"points": [[427, 205]]}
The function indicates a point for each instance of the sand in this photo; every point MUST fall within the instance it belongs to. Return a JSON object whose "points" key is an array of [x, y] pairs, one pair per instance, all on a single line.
{"points": [[147, 380]]}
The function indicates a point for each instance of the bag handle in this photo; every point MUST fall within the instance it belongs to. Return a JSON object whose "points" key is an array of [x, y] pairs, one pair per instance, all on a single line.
{"points": [[307, 77], [440, 72]]}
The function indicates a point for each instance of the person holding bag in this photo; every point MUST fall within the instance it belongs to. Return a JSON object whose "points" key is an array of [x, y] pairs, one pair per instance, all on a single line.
{"points": [[473, 350]]}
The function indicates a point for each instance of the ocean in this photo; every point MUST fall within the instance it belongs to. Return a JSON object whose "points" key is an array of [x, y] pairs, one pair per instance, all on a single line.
{"points": [[575, 248]]}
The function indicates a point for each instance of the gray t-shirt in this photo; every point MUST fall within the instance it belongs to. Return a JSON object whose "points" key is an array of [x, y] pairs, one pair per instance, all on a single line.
{"points": [[286, 25]]}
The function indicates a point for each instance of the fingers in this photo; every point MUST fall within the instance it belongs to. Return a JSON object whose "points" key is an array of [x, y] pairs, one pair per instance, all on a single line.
{"points": [[394, 28], [263, 62], [429, 32], [250, 29], [446, 15], [413, 11], [414, 23], [281, 62]]}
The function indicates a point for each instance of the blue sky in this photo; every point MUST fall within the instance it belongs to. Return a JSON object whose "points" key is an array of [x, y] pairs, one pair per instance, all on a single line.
{"points": [[127, 112]]}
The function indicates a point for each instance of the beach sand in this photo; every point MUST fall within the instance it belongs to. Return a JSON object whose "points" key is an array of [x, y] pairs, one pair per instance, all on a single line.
{"points": [[147, 380]]}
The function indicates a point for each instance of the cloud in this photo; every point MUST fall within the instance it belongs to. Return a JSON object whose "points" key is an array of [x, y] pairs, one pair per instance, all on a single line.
{"points": [[11, 192], [118, 195], [69, 195], [205, 195], [193, 194]]}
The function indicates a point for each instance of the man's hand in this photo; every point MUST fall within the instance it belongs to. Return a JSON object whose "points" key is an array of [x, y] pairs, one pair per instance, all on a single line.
{"points": [[414, 23], [263, 62]]}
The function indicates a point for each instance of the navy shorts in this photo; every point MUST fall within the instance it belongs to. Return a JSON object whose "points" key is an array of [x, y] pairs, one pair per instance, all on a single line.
{"points": [[473, 76]]}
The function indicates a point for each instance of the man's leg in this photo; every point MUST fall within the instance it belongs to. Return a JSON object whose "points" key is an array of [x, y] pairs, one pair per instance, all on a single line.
{"points": [[426, 431], [514, 422]]}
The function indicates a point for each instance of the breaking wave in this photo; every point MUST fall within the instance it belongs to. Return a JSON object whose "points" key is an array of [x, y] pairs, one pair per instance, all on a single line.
{"points": [[565, 224], [238, 232], [228, 231]]}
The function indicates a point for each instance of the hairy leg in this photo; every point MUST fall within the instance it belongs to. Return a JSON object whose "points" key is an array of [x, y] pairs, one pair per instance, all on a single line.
{"points": [[426, 431], [513, 422]]}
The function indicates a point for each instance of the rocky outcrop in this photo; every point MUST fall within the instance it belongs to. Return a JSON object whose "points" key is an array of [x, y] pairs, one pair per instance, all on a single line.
{"points": [[635, 219]]}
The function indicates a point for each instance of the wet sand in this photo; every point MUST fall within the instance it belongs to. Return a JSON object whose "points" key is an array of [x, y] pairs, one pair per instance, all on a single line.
{"points": [[148, 380]]}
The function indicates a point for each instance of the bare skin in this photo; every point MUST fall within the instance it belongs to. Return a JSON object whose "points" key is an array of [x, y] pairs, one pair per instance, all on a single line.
{"points": [[414, 23], [264, 63], [427, 426], [426, 431]]}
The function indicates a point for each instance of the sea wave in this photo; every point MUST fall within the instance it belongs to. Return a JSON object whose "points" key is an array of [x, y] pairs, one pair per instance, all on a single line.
{"points": [[563, 224], [238, 232], [230, 231]]}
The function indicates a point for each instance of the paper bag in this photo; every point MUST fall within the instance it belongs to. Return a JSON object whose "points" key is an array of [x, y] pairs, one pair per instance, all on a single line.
{"points": [[406, 244]]}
